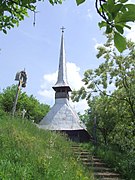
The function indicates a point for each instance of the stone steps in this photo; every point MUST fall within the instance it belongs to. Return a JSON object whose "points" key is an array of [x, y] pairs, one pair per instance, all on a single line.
{"points": [[100, 169]]}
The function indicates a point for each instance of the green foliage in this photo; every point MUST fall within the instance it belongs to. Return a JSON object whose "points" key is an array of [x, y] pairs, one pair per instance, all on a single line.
{"points": [[27, 152], [115, 15], [119, 41], [34, 109], [123, 162], [119, 161], [12, 12], [3, 114], [113, 107], [78, 2], [55, 1], [7, 98]]}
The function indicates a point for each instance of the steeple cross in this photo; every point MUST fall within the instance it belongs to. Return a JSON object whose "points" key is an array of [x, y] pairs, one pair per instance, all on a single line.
{"points": [[62, 29]]}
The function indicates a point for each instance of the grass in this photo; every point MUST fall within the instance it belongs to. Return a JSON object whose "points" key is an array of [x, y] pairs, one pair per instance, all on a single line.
{"points": [[29, 153], [121, 162]]}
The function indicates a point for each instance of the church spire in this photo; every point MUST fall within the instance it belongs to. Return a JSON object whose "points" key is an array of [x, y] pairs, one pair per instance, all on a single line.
{"points": [[62, 117], [62, 71]]}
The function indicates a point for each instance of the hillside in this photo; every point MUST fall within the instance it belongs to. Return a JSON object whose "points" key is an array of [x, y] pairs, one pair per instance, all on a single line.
{"points": [[27, 152]]}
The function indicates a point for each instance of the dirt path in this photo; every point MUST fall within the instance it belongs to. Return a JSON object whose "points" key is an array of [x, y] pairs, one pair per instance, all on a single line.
{"points": [[100, 169]]}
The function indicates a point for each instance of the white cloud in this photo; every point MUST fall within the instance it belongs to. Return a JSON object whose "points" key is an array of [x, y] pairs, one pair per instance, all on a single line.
{"points": [[46, 90], [73, 76], [130, 33], [96, 43], [130, 1], [80, 106], [85, 14], [89, 13], [111, 47], [74, 80], [49, 80]]}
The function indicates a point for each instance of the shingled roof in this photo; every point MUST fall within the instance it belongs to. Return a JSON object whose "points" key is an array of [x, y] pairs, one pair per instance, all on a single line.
{"points": [[62, 117]]}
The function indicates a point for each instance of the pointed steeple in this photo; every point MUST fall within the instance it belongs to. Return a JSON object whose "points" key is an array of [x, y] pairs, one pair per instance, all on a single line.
{"points": [[62, 71], [62, 117]]}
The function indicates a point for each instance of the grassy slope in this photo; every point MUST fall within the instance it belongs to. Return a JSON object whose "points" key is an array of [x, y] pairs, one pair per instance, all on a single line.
{"points": [[27, 152]]}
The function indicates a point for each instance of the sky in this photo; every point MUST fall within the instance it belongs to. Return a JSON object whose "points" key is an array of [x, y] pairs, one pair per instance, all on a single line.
{"points": [[37, 48]]}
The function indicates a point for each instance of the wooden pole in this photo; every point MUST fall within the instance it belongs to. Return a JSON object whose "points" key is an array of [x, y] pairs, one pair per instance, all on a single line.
{"points": [[16, 97]]}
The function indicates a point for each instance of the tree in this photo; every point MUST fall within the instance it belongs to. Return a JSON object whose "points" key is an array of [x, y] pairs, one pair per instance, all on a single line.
{"points": [[113, 108], [117, 70], [13, 11], [34, 109], [102, 110], [7, 98], [115, 14]]}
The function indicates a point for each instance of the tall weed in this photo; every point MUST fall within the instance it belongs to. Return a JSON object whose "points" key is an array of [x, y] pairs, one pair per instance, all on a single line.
{"points": [[28, 153]]}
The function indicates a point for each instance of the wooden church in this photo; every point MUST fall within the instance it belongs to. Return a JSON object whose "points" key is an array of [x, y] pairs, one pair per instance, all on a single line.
{"points": [[62, 117]]}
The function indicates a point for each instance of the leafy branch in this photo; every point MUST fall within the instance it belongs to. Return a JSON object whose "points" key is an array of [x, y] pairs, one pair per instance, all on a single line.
{"points": [[115, 14], [101, 10]]}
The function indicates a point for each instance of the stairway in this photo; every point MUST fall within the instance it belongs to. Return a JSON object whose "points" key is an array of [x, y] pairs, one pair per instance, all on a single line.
{"points": [[100, 169]]}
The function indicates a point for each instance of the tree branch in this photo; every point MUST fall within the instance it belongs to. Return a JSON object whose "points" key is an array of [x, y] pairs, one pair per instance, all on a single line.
{"points": [[102, 13]]}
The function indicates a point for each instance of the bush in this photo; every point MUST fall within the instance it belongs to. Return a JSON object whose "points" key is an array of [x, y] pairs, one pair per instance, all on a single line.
{"points": [[120, 161]]}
